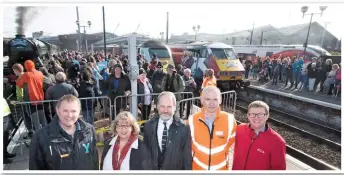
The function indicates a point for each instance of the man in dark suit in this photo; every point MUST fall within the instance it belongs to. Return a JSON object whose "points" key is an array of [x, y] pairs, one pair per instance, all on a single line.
{"points": [[167, 137]]}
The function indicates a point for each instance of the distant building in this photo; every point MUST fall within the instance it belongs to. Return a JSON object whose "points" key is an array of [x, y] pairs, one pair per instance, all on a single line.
{"points": [[295, 34]]}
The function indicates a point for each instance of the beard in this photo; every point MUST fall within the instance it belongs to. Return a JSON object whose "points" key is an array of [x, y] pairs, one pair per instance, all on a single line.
{"points": [[165, 116]]}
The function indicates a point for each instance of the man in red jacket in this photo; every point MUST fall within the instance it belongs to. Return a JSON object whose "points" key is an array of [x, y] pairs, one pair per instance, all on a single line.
{"points": [[257, 146]]}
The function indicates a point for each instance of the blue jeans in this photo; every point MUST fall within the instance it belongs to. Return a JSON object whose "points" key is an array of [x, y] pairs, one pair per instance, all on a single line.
{"points": [[304, 81], [88, 116], [296, 78]]}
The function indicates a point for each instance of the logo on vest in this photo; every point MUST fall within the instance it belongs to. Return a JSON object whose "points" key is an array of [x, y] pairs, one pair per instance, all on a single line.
{"points": [[260, 150], [219, 134], [87, 147]]}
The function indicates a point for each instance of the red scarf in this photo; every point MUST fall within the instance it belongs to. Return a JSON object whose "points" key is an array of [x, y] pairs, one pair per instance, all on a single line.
{"points": [[116, 164]]}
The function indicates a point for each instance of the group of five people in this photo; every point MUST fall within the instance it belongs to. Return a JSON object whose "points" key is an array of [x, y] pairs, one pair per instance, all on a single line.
{"points": [[209, 140]]}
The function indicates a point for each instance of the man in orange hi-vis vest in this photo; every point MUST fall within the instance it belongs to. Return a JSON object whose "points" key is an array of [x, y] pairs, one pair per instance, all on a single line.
{"points": [[212, 133], [208, 80]]}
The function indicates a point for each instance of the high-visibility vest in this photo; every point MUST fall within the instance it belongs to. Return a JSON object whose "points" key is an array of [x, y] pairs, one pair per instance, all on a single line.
{"points": [[211, 153], [208, 82], [6, 109]]}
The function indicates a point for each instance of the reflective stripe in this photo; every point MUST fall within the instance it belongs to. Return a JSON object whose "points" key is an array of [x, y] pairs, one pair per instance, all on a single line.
{"points": [[213, 167], [215, 150], [230, 126], [6, 109]]}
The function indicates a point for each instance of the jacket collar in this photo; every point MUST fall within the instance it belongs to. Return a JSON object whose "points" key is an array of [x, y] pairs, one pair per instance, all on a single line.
{"points": [[55, 126], [176, 120], [204, 113], [135, 145]]}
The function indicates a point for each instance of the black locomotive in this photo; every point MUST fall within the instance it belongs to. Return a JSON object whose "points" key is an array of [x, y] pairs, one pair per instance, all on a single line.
{"points": [[21, 49]]}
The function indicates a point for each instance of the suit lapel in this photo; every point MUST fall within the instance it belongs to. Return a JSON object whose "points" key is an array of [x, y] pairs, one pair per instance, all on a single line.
{"points": [[155, 141]]}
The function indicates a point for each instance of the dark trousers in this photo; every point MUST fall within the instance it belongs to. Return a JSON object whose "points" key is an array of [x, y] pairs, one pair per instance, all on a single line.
{"points": [[289, 78], [26, 116], [247, 71], [188, 106], [145, 111], [275, 77], [317, 81], [37, 116], [330, 92], [6, 141]]}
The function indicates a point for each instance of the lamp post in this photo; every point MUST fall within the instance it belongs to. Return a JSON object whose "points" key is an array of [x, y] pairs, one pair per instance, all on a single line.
{"points": [[196, 30], [162, 36], [261, 37], [84, 26], [304, 9], [252, 34]]}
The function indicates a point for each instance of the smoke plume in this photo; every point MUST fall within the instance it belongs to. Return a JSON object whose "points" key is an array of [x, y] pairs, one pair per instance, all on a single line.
{"points": [[24, 15]]}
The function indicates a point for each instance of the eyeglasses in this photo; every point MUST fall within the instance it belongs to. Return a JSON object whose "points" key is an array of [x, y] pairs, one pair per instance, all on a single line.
{"points": [[259, 115], [123, 126]]}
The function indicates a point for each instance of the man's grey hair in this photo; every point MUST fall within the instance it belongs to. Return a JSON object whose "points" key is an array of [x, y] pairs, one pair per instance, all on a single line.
{"points": [[170, 94], [187, 70], [211, 89], [60, 77]]}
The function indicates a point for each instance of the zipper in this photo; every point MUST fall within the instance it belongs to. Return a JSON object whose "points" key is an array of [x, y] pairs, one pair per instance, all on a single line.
{"points": [[248, 153], [211, 138], [51, 152], [75, 149]]}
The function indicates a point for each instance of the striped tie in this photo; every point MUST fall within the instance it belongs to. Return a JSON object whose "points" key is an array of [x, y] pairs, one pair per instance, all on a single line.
{"points": [[164, 138]]}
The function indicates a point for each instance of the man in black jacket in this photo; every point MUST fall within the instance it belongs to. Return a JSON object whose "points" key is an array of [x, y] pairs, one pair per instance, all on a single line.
{"points": [[167, 137], [67, 143], [118, 85]]}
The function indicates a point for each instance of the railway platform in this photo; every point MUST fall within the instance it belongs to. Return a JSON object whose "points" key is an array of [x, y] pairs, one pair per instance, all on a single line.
{"points": [[313, 95]]}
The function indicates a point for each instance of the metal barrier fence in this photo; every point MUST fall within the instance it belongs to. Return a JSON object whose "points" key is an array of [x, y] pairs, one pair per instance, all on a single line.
{"points": [[145, 110], [94, 110], [190, 106]]}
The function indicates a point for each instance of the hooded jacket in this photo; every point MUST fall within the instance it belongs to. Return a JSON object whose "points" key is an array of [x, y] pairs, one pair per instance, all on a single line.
{"points": [[34, 81]]}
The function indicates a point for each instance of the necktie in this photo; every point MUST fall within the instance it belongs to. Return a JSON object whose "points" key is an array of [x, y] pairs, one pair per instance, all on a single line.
{"points": [[164, 138]]}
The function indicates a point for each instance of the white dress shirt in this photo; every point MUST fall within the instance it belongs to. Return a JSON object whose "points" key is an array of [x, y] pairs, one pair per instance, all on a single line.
{"points": [[161, 129], [147, 97], [107, 165]]}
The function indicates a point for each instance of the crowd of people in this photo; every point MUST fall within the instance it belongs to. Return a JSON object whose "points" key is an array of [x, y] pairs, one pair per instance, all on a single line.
{"points": [[61, 140], [318, 75]]}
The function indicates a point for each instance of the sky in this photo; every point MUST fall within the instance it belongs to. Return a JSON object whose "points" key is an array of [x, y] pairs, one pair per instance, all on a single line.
{"points": [[218, 18]]}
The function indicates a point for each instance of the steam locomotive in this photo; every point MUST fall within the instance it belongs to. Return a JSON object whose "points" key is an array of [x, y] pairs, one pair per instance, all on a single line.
{"points": [[20, 49]]}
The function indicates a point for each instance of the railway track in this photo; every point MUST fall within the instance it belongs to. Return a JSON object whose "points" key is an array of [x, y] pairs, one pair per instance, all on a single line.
{"points": [[317, 152]]}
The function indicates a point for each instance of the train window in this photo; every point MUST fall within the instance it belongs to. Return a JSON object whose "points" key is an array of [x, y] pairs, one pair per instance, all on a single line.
{"points": [[204, 53], [227, 53], [160, 53]]}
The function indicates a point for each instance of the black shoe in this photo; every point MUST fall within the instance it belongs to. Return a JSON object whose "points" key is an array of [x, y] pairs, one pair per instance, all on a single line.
{"points": [[9, 155], [7, 161]]}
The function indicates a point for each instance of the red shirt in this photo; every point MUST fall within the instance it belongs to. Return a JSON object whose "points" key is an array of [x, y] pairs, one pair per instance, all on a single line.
{"points": [[267, 151]]}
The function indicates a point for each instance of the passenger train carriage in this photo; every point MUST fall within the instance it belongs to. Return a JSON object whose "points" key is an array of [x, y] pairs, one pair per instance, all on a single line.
{"points": [[283, 50], [218, 56]]}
